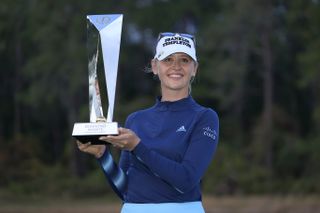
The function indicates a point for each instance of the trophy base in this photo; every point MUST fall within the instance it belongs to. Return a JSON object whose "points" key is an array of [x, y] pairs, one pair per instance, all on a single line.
{"points": [[90, 132]]}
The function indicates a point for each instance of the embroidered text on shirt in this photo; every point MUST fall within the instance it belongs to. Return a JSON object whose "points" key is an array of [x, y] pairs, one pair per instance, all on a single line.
{"points": [[210, 133]]}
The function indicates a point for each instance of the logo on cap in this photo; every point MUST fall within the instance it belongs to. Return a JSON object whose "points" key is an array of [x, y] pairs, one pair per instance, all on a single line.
{"points": [[176, 40], [175, 43]]}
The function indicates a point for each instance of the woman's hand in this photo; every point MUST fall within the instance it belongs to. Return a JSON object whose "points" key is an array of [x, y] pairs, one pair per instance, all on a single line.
{"points": [[126, 139], [96, 150]]}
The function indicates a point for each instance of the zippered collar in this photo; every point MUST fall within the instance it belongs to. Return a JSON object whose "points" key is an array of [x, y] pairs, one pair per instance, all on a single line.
{"points": [[184, 103]]}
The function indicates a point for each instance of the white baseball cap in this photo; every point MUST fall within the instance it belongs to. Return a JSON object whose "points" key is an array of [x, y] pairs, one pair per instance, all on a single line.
{"points": [[169, 43]]}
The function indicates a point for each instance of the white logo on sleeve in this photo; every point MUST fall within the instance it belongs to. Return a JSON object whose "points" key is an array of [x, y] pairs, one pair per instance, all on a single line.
{"points": [[210, 133], [181, 129]]}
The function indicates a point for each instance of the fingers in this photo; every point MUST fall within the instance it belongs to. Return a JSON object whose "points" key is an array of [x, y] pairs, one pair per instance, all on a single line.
{"points": [[116, 141], [123, 135], [83, 146], [123, 130], [126, 139], [118, 145], [96, 150], [120, 140]]}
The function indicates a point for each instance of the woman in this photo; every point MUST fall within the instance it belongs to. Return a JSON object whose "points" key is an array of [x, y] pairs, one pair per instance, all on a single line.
{"points": [[167, 148]]}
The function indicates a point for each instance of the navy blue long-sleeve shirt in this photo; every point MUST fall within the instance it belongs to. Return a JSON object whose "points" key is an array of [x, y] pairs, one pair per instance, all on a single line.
{"points": [[178, 141]]}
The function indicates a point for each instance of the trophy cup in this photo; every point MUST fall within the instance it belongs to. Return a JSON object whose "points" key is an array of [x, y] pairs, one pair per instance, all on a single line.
{"points": [[107, 30]]}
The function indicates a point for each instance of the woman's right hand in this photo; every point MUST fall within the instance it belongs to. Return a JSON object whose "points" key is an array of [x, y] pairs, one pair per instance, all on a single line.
{"points": [[96, 150]]}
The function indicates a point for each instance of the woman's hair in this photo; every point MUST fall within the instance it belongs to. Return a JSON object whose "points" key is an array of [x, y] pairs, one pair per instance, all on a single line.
{"points": [[148, 69]]}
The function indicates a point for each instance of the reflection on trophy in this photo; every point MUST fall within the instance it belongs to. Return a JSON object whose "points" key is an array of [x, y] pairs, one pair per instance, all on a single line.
{"points": [[104, 29]]}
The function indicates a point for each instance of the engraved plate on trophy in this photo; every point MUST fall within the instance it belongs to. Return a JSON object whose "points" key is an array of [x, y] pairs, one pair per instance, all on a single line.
{"points": [[103, 31]]}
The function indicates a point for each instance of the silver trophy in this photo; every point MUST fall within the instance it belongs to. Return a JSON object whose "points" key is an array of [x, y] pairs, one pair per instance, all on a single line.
{"points": [[104, 29]]}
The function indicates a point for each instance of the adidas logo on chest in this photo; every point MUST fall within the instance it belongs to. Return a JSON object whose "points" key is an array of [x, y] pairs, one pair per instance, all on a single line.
{"points": [[181, 129]]}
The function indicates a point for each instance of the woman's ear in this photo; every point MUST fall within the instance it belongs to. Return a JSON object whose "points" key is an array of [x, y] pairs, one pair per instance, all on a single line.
{"points": [[154, 66]]}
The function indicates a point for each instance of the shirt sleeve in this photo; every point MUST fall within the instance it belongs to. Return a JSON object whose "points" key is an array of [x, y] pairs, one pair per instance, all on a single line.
{"points": [[184, 175], [124, 161]]}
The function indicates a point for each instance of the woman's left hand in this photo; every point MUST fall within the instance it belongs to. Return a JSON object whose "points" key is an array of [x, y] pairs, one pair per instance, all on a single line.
{"points": [[126, 139]]}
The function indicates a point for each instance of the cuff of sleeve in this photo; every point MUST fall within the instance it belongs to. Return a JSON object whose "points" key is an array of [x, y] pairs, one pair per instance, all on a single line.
{"points": [[140, 150], [102, 158]]}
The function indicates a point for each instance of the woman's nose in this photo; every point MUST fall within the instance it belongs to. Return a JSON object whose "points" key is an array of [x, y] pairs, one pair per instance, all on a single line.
{"points": [[176, 63]]}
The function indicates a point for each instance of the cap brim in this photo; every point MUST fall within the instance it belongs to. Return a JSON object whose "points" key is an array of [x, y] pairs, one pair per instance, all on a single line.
{"points": [[176, 50]]}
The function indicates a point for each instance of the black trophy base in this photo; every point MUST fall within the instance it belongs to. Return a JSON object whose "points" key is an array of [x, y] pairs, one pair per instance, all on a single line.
{"points": [[91, 132], [94, 139]]}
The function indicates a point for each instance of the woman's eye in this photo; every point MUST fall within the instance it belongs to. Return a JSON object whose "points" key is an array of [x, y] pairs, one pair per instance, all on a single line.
{"points": [[185, 60], [168, 59]]}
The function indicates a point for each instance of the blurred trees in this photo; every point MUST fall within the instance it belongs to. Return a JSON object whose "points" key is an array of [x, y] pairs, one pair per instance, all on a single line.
{"points": [[259, 69]]}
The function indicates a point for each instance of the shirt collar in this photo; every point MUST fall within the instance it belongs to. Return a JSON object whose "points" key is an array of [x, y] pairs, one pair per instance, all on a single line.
{"points": [[183, 103]]}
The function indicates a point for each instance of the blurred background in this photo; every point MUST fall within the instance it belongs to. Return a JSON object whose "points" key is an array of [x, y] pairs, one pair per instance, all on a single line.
{"points": [[259, 69]]}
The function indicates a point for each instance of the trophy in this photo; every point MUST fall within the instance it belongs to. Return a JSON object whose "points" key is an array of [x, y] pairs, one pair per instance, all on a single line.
{"points": [[104, 29]]}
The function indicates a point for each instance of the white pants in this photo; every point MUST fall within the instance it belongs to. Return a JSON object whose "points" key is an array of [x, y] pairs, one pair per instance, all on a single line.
{"points": [[187, 207]]}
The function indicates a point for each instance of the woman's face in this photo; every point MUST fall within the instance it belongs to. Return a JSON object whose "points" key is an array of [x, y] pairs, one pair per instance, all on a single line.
{"points": [[175, 72]]}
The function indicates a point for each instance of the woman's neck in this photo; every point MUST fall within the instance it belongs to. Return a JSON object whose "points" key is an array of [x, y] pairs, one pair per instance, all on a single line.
{"points": [[173, 95]]}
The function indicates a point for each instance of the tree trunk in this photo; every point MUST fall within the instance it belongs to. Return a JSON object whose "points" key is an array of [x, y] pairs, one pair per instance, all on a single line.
{"points": [[17, 84], [78, 166], [267, 93]]}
